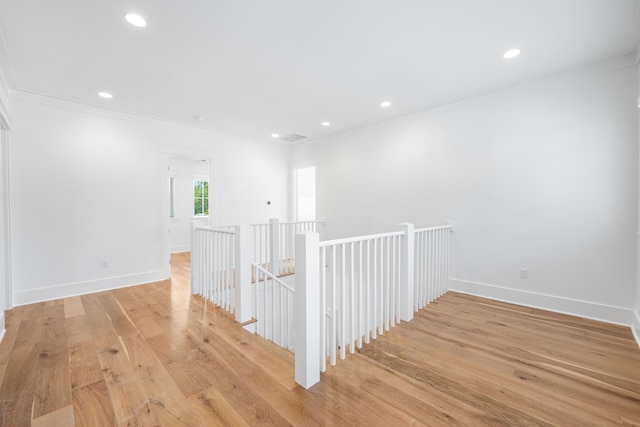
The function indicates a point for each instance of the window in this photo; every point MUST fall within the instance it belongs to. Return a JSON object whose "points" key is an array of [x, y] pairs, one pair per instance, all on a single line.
{"points": [[200, 197], [305, 193], [172, 196]]}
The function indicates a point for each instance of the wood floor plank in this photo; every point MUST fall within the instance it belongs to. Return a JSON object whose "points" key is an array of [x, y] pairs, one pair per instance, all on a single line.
{"points": [[18, 384], [130, 403], [63, 417], [77, 330], [213, 409], [73, 307], [84, 366], [92, 406], [156, 355], [53, 384]]}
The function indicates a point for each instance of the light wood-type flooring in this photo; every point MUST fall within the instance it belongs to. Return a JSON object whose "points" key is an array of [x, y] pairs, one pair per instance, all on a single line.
{"points": [[155, 355]]}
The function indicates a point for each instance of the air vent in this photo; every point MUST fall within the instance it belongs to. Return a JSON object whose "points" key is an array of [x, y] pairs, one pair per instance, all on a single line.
{"points": [[293, 137]]}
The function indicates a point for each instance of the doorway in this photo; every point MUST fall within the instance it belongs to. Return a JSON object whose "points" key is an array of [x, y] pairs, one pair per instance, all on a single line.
{"points": [[189, 199], [304, 193], [189, 187]]}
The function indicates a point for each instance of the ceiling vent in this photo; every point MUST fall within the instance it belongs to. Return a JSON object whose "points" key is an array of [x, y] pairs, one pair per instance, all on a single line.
{"points": [[293, 137]]}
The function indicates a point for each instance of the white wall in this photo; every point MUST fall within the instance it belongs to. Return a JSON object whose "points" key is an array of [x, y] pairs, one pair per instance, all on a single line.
{"points": [[88, 187], [542, 177], [184, 168], [4, 205], [3, 226], [636, 318]]}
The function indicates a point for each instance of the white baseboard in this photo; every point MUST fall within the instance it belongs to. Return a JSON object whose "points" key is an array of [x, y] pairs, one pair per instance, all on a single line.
{"points": [[72, 289], [605, 313], [2, 326], [180, 248], [635, 328]]}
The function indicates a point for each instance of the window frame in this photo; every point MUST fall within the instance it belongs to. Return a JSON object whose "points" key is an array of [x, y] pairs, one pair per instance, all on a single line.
{"points": [[204, 179]]}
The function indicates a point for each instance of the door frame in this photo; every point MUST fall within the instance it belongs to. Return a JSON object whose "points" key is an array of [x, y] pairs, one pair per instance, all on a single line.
{"points": [[168, 151], [5, 196]]}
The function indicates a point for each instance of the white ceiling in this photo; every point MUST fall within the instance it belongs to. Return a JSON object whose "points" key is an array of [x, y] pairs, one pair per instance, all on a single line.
{"points": [[252, 68]]}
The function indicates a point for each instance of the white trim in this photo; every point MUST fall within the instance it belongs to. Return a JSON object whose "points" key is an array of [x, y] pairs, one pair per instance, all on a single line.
{"points": [[199, 176], [49, 293], [635, 328], [101, 111], [590, 310], [5, 194], [3, 329]]}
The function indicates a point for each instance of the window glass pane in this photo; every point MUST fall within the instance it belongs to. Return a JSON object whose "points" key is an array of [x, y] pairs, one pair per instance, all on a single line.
{"points": [[200, 197]]}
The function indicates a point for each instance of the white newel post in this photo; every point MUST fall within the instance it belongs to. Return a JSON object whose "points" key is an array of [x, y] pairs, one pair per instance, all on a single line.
{"points": [[275, 246], [407, 272], [307, 309], [243, 274]]}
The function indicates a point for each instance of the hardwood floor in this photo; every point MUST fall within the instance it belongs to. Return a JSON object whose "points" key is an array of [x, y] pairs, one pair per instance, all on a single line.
{"points": [[155, 355]]}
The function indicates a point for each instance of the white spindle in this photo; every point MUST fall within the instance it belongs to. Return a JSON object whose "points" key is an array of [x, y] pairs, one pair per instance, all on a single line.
{"points": [[323, 309], [334, 316], [369, 294], [360, 296], [352, 298]]}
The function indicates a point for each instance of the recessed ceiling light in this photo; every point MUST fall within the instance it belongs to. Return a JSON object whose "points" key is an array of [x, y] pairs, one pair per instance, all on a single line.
{"points": [[511, 53], [135, 20], [325, 123], [275, 135], [385, 104], [106, 95]]}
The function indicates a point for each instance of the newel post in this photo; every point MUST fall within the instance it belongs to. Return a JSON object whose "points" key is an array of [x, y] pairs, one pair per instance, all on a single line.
{"points": [[274, 267], [307, 309], [243, 274], [407, 272]]}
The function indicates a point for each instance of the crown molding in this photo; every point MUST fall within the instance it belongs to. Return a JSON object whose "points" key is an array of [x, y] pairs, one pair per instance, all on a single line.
{"points": [[79, 107], [620, 62]]}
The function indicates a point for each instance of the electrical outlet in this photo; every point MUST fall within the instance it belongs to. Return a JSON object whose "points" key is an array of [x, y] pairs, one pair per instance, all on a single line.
{"points": [[524, 273]]}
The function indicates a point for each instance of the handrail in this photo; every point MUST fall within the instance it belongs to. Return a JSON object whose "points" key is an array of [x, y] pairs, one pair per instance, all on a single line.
{"points": [[216, 229], [272, 277], [325, 243], [439, 227], [317, 221]]}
